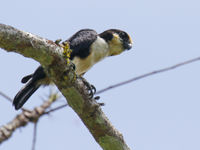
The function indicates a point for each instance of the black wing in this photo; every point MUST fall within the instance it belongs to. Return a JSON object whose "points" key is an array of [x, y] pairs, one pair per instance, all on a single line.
{"points": [[81, 41]]}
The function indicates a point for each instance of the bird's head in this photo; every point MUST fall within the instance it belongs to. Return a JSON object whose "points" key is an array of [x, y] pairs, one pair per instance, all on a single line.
{"points": [[118, 41]]}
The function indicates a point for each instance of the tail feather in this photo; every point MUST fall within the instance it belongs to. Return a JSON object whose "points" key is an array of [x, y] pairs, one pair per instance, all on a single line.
{"points": [[24, 94], [32, 84], [26, 78]]}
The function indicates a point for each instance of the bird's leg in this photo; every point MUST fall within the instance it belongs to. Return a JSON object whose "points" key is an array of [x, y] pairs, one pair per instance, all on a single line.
{"points": [[97, 98], [91, 88]]}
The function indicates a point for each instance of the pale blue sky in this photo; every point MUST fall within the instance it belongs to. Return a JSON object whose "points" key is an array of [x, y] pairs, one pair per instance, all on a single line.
{"points": [[157, 113]]}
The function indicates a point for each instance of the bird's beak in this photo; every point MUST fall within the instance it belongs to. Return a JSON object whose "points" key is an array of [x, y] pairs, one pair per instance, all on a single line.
{"points": [[128, 46]]}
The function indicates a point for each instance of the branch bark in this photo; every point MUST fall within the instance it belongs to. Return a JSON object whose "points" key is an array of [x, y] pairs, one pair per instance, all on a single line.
{"points": [[50, 56], [149, 74], [24, 118]]}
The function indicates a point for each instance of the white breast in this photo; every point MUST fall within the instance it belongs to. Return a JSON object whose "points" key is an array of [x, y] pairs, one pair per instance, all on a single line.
{"points": [[99, 50]]}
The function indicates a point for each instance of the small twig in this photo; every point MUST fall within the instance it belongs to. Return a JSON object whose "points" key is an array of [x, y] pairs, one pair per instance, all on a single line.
{"points": [[57, 108], [10, 99], [6, 97], [34, 135], [25, 117], [149, 74]]}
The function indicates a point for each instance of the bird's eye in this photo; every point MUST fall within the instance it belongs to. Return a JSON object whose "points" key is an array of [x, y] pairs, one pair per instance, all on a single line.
{"points": [[123, 36]]}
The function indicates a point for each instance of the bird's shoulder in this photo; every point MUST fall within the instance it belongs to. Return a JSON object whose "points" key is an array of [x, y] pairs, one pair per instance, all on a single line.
{"points": [[81, 41]]}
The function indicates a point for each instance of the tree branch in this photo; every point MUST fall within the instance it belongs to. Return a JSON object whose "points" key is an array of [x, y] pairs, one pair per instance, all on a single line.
{"points": [[50, 56], [148, 74], [6, 96], [34, 135], [55, 109], [24, 118]]}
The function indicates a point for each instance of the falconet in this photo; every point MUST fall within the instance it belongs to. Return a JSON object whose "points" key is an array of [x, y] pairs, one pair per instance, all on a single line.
{"points": [[88, 48]]}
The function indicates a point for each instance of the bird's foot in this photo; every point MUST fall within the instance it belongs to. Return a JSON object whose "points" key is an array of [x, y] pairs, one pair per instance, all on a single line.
{"points": [[90, 88], [97, 98], [91, 91]]}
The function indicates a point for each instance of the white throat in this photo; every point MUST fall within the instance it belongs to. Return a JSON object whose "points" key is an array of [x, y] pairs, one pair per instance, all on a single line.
{"points": [[99, 49]]}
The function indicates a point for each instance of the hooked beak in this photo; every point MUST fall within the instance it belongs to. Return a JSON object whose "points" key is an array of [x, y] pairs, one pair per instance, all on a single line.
{"points": [[128, 46]]}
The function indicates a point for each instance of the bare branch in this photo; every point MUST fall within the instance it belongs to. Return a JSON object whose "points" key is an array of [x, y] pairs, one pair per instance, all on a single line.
{"points": [[50, 56], [34, 135], [5, 96], [24, 118], [149, 74], [55, 109]]}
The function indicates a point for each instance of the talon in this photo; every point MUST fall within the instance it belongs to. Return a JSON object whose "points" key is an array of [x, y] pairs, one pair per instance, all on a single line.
{"points": [[97, 98], [91, 89], [91, 94], [101, 104]]}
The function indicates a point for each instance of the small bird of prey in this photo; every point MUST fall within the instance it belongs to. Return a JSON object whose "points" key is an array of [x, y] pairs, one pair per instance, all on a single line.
{"points": [[88, 47]]}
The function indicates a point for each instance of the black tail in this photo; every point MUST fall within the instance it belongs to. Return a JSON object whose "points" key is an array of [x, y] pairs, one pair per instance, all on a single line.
{"points": [[32, 85], [24, 94]]}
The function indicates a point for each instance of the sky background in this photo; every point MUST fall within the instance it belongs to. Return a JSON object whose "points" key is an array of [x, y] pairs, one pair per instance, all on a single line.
{"points": [[160, 112]]}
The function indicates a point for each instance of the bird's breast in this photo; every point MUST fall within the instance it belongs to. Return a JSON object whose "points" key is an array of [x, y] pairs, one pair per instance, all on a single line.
{"points": [[98, 51]]}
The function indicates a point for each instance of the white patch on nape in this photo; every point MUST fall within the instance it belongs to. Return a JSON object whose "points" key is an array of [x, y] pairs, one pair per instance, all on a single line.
{"points": [[99, 50]]}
